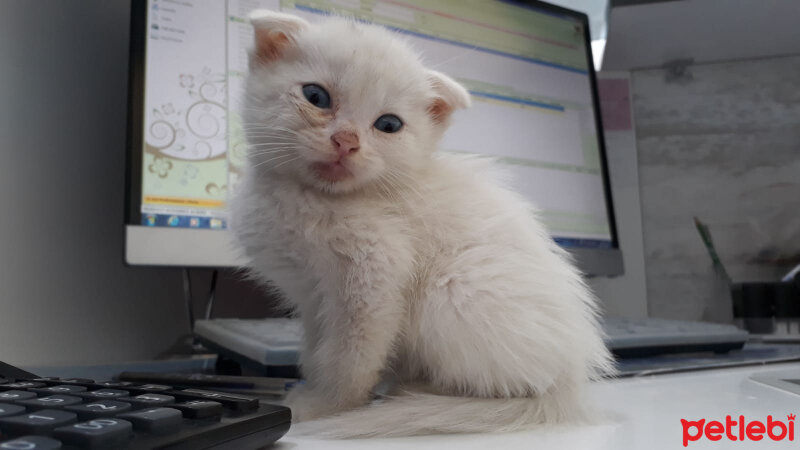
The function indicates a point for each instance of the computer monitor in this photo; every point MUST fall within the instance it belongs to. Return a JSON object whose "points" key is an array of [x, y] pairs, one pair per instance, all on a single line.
{"points": [[528, 66]]}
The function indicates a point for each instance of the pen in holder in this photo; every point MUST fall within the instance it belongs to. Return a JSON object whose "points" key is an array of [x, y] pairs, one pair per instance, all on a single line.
{"points": [[771, 307]]}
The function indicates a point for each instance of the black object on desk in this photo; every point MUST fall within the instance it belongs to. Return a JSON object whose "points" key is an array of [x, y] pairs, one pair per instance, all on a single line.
{"points": [[78, 413], [759, 304]]}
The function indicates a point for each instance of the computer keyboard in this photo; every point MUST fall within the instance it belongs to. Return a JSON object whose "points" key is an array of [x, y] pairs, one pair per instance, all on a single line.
{"points": [[75, 413], [650, 336], [269, 342]]}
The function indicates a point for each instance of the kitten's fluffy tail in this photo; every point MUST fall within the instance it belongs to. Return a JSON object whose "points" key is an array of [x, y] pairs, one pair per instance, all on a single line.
{"points": [[419, 413]]}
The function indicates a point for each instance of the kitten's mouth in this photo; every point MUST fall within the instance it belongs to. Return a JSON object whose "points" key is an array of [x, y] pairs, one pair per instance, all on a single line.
{"points": [[331, 171]]}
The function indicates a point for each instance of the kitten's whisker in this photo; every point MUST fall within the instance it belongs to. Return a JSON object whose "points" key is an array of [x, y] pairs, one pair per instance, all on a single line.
{"points": [[452, 58], [395, 193], [269, 130], [267, 125], [385, 191], [396, 174], [423, 202], [255, 126], [271, 142], [268, 153], [263, 129], [272, 147], [284, 162], [268, 113], [278, 127], [272, 159], [264, 151], [269, 145], [267, 139], [268, 133]]}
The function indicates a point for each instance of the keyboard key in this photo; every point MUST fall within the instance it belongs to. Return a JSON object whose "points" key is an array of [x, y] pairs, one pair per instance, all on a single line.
{"points": [[31, 443], [199, 409], [51, 401], [4, 380], [236, 402], [157, 420], [150, 400], [59, 389], [102, 394], [7, 409], [13, 396], [39, 422], [21, 385], [99, 409], [97, 433]]}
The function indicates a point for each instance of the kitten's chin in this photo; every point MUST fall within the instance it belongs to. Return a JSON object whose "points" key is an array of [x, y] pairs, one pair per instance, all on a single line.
{"points": [[332, 172]]}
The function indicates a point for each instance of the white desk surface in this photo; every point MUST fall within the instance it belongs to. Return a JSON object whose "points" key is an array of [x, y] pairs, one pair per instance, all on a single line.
{"points": [[643, 414]]}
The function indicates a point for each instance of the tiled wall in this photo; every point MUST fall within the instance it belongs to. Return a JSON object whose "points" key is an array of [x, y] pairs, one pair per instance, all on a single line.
{"points": [[721, 143]]}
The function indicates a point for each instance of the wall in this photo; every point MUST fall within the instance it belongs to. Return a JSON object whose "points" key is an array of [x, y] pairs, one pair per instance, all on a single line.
{"points": [[65, 295], [648, 35], [722, 144]]}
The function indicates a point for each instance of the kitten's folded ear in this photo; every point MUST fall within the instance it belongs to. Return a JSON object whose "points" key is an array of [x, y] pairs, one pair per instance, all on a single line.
{"points": [[274, 33], [449, 96]]}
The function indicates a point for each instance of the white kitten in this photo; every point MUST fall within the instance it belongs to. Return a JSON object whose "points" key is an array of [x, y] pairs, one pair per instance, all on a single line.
{"points": [[397, 259]]}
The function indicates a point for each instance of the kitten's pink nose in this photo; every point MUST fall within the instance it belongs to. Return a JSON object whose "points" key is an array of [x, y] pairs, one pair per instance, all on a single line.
{"points": [[345, 142]]}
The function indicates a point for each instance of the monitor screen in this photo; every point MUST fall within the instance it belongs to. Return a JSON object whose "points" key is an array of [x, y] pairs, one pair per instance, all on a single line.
{"points": [[526, 65]]}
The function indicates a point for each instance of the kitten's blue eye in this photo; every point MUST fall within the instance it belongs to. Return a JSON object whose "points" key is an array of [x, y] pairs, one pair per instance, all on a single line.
{"points": [[389, 123], [317, 95]]}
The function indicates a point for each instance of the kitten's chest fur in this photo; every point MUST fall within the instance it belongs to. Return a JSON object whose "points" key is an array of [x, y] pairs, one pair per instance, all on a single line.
{"points": [[303, 236]]}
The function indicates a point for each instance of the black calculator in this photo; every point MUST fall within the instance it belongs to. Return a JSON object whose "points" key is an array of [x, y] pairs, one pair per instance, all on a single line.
{"points": [[38, 413]]}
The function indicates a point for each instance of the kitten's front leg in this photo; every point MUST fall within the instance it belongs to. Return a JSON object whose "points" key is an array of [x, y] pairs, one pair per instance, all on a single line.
{"points": [[356, 331]]}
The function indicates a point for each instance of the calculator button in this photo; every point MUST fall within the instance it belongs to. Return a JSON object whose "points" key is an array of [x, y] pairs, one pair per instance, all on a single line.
{"points": [[102, 394], [150, 400], [51, 401], [156, 420], [59, 389], [21, 385], [199, 409], [99, 409], [46, 380], [97, 433], [31, 443], [76, 380], [110, 383], [145, 388], [7, 409], [39, 422], [236, 402], [13, 396]]}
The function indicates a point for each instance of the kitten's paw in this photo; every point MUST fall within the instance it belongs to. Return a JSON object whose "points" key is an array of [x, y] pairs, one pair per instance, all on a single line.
{"points": [[308, 405]]}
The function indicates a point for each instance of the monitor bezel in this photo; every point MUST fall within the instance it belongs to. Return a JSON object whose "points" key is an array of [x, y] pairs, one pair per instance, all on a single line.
{"points": [[593, 261], [135, 123]]}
